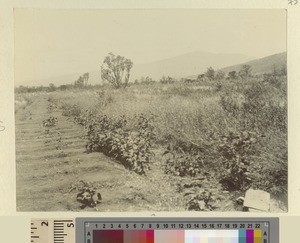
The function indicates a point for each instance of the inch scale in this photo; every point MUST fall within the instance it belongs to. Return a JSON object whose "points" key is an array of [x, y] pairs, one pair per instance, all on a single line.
{"points": [[87, 230], [52, 231]]}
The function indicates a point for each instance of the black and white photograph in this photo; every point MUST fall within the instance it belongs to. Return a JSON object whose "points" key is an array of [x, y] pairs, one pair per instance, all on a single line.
{"points": [[151, 110]]}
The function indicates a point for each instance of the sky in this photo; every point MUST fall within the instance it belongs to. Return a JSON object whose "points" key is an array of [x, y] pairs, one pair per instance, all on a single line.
{"points": [[52, 43]]}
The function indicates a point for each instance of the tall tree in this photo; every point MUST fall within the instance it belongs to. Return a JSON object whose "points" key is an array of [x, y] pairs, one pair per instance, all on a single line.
{"points": [[116, 70], [201, 77], [210, 73], [86, 77], [220, 75], [245, 72], [79, 83], [52, 87]]}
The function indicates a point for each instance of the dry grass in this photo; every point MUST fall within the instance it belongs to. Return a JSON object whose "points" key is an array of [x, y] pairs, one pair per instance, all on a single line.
{"points": [[194, 114]]}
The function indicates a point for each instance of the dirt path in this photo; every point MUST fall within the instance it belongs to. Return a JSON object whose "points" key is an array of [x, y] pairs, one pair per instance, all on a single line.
{"points": [[50, 161]]}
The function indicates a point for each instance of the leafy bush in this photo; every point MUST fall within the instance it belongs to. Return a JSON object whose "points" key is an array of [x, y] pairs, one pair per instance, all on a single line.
{"points": [[71, 110], [186, 158], [236, 149], [131, 147], [85, 118], [230, 104]]}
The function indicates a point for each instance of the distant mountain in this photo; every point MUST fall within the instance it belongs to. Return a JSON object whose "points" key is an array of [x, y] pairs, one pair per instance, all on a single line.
{"points": [[187, 64], [262, 65]]}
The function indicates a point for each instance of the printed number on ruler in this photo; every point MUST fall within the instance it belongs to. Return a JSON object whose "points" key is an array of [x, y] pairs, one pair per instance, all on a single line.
{"points": [[52, 231]]}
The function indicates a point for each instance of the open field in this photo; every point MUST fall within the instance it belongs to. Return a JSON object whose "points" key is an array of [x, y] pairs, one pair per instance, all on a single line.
{"points": [[156, 147]]}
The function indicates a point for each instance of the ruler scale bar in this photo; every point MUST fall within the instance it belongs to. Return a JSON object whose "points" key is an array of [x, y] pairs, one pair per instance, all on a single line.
{"points": [[53, 231]]}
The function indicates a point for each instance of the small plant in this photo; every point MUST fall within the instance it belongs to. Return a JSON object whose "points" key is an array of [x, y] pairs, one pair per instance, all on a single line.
{"points": [[50, 122], [203, 201], [203, 194], [183, 164], [87, 195], [51, 107]]}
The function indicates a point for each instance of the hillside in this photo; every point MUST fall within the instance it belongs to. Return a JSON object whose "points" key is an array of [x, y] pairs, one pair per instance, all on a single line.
{"points": [[262, 65], [187, 64]]}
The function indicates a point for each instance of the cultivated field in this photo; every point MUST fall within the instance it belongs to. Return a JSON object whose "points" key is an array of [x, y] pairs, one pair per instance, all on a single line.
{"points": [[153, 147]]}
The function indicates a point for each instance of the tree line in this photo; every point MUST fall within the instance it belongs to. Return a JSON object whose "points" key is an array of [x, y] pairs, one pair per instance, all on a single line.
{"points": [[115, 70]]}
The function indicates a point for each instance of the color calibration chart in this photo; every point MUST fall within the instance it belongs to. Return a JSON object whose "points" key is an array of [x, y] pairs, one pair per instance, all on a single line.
{"points": [[179, 230]]}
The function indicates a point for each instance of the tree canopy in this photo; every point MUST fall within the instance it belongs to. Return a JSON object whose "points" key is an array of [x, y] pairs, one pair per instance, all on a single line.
{"points": [[116, 70]]}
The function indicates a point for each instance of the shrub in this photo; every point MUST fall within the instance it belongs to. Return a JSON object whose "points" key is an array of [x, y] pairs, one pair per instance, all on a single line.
{"points": [[261, 110], [219, 86], [104, 98], [236, 149], [183, 158]]}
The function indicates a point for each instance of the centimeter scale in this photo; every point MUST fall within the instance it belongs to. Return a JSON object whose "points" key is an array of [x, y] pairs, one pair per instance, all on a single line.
{"points": [[155, 230]]}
